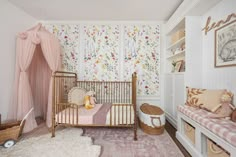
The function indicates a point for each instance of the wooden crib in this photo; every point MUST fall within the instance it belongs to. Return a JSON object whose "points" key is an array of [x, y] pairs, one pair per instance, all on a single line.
{"points": [[120, 94]]}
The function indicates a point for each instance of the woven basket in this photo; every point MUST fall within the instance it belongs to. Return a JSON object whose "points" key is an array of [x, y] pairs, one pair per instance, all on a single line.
{"points": [[10, 131], [189, 131], [213, 150], [152, 119]]}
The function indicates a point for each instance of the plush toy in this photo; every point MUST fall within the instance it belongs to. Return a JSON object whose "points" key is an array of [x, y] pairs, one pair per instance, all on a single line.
{"points": [[89, 100], [93, 100], [226, 108]]}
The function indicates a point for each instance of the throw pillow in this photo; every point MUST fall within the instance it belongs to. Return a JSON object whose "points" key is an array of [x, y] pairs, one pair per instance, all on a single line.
{"points": [[204, 98], [76, 96]]}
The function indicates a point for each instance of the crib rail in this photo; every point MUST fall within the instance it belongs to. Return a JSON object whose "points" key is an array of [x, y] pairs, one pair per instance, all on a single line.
{"points": [[63, 82], [116, 92], [119, 115]]}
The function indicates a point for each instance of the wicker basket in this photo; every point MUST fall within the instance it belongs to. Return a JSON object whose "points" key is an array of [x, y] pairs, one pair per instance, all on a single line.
{"points": [[152, 119], [10, 131], [213, 150], [189, 131]]}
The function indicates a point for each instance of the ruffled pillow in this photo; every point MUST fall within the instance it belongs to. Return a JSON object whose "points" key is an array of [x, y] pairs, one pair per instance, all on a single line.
{"points": [[76, 95]]}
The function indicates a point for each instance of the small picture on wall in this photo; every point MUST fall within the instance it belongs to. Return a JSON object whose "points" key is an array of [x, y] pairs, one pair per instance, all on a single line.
{"points": [[225, 45]]}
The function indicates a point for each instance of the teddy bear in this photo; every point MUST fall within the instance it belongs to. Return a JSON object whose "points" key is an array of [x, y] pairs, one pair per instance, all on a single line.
{"points": [[226, 108], [89, 100]]}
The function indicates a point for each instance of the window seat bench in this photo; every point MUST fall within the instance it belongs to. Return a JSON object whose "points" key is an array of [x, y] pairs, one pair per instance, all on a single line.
{"points": [[196, 129]]}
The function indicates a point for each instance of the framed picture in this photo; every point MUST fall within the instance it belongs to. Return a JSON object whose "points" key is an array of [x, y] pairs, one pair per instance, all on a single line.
{"points": [[225, 45], [178, 66]]}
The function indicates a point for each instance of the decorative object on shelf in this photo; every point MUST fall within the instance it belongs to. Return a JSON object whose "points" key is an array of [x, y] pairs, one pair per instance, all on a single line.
{"points": [[178, 66], [225, 45], [209, 26], [177, 36], [182, 46], [182, 69], [173, 66]]}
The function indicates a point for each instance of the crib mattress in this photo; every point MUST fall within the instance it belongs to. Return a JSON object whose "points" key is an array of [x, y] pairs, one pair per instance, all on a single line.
{"points": [[101, 114]]}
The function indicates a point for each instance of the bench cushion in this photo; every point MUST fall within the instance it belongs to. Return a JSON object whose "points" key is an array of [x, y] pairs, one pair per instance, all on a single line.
{"points": [[226, 129]]}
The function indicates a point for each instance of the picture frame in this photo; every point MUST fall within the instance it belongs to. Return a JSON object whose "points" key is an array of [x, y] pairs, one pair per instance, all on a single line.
{"points": [[225, 45], [178, 66]]}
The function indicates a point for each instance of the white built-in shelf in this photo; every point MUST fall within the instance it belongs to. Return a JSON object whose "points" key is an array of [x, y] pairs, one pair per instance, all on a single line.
{"points": [[175, 73], [177, 55], [176, 44]]}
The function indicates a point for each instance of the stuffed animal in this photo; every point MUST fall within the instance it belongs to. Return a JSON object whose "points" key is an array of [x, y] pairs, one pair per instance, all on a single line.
{"points": [[226, 108], [89, 100], [93, 100]]}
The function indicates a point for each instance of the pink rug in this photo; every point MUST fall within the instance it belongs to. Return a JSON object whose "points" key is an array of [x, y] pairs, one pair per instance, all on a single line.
{"points": [[119, 143]]}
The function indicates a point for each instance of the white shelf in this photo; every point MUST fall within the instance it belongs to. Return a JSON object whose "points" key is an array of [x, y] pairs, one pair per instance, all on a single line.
{"points": [[179, 54], [177, 43], [175, 73]]}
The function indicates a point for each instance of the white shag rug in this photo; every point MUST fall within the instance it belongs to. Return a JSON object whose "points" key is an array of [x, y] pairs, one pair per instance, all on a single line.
{"points": [[67, 143]]}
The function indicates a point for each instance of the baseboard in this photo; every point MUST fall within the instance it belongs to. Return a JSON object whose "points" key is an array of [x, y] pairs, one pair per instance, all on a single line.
{"points": [[172, 121]]}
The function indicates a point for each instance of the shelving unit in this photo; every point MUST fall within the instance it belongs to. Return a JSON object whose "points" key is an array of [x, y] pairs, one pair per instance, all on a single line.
{"points": [[176, 55], [174, 80], [175, 50], [176, 44]]}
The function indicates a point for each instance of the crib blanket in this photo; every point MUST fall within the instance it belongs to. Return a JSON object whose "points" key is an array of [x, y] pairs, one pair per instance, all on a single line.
{"points": [[96, 115]]}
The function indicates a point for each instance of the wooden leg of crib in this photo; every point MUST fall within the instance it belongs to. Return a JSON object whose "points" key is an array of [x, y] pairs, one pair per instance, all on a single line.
{"points": [[53, 131], [53, 128], [135, 131], [135, 134]]}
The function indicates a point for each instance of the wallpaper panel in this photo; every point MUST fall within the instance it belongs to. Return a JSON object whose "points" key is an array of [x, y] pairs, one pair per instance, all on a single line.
{"points": [[101, 52], [112, 52], [68, 36], [142, 54]]}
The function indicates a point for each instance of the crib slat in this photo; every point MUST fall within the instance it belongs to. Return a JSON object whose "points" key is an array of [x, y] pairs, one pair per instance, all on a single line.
{"points": [[77, 115], [126, 114], [69, 115], [130, 114], [122, 114]]}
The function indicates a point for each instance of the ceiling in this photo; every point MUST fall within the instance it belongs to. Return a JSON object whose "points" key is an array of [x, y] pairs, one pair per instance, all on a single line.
{"points": [[99, 9]]}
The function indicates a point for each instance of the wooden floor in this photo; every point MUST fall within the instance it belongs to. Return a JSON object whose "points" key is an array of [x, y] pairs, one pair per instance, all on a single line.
{"points": [[171, 130]]}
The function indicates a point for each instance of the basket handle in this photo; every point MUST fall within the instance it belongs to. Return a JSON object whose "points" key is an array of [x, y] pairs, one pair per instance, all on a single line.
{"points": [[26, 116], [158, 118], [213, 150]]}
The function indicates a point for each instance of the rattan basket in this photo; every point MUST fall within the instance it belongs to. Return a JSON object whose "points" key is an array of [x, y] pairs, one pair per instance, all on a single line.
{"points": [[151, 119]]}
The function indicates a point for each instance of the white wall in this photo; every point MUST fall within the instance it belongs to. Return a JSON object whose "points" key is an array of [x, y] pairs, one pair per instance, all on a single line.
{"points": [[216, 78], [193, 56], [13, 20]]}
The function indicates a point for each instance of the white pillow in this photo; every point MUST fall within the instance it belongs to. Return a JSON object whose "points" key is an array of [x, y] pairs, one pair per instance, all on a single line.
{"points": [[76, 96]]}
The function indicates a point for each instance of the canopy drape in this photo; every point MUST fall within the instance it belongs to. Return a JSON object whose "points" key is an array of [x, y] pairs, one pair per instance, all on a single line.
{"points": [[23, 99]]}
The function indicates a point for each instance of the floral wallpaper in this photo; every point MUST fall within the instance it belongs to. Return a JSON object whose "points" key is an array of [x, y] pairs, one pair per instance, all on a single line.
{"points": [[101, 52], [97, 52], [142, 54], [68, 36]]}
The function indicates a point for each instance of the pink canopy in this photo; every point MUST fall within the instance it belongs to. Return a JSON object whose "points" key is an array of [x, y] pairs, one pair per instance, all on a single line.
{"points": [[37, 56]]}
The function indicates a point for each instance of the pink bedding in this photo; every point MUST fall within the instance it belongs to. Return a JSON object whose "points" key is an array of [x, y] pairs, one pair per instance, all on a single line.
{"points": [[97, 115]]}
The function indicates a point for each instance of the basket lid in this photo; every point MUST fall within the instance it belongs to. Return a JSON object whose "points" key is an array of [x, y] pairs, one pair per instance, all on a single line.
{"points": [[151, 110]]}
